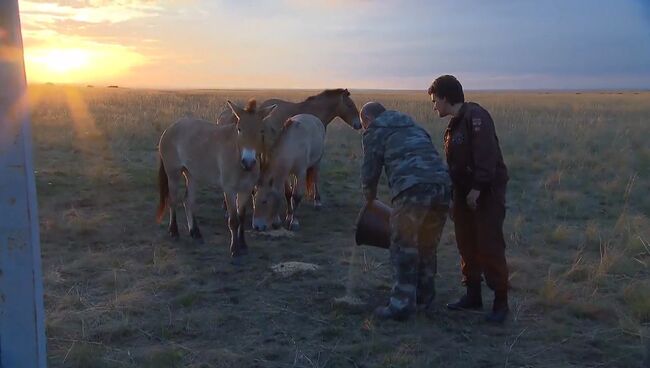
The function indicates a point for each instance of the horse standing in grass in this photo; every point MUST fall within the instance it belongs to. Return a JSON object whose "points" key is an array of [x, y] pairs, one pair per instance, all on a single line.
{"points": [[201, 152], [326, 106], [297, 152]]}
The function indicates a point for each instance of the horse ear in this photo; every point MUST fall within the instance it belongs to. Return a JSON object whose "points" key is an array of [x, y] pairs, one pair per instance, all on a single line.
{"points": [[346, 92], [226, 117], [266, 111], [238, 111]]}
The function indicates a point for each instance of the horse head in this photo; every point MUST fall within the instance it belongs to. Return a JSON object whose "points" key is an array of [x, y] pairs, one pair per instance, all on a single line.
{"points": [[266, 204], [347, 110], [250, 131]]}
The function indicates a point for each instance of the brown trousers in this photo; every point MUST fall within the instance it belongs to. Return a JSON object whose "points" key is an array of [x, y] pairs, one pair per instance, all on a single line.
{"points": [[479, 236]]}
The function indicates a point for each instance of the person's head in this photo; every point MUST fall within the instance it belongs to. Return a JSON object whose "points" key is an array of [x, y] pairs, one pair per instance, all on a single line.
{"points": [[369, 112], [446, 92]]}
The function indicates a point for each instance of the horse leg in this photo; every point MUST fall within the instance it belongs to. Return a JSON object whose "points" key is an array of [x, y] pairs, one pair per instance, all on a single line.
{"points": [[287, 196], [172, 229], [189, 203], [233, 226], [224, 206], [242, 203], [174, 188], [317, 202], [296, 198]]}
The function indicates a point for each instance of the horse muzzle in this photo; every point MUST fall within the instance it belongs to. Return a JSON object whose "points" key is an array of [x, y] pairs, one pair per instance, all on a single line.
{"points": [[248, 165], [356, 124], [248, 159], [259, 225]]}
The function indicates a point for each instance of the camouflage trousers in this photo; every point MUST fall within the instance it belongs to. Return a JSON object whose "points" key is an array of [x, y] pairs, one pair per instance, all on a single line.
{"points": [[416, 224]]}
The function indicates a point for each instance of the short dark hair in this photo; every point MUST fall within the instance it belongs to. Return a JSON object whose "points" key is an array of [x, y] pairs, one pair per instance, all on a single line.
{"points": [[373, 109], [449, 88]]}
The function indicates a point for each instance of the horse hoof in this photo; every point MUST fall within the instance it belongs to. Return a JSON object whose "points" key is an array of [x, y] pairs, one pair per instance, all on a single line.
{"points": [[318, 205], [294, 226], [174, 236], [237, 260], [199, 241]]}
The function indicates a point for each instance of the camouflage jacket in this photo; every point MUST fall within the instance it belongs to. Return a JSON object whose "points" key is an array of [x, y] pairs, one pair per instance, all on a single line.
{"points": [[395, 143]]}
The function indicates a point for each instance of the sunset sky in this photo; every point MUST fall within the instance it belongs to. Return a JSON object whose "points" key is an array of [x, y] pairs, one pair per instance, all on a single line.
{"points": [[496, 44]]}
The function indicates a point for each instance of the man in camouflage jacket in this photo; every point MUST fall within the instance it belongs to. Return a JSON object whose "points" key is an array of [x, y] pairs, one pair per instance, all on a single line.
{"points": [[420, 189]]}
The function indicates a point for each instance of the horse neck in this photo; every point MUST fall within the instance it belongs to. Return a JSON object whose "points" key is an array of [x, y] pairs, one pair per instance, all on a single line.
{"points": [[324, 109], [279, 171]]}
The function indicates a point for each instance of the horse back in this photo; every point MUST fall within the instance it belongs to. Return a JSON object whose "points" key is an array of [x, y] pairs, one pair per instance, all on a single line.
{"points": [[193, 145], [302, 139]]}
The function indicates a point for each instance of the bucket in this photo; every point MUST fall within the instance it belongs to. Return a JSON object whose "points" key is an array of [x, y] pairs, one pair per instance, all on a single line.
{"points": [[373, 225]]}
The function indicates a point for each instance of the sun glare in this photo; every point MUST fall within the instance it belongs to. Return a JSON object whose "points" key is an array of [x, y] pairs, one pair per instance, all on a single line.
{"points": [[88, 64], [63, 61]]}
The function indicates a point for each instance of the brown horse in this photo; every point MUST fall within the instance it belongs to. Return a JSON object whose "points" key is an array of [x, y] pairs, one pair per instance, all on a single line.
{"points": [[224, 155], [297, 152], [326, 106]]}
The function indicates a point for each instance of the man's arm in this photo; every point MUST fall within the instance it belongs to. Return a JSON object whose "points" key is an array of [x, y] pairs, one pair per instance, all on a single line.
{"points": [[484, 149], [373, 162]]}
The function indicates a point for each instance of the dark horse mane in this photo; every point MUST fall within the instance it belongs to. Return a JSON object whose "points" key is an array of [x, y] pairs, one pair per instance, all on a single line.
{"points": [[330, 93]]}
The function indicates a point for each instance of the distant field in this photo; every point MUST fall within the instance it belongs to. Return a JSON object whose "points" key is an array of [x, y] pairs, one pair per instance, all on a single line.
{"points": [[119, 293]]}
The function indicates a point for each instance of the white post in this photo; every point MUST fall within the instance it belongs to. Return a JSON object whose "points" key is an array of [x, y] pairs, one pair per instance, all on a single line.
{"points": [[22, 331]]}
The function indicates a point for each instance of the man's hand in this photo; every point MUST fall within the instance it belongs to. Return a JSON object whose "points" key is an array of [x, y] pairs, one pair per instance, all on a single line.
{"points": [[451, 210], [472, 198]]}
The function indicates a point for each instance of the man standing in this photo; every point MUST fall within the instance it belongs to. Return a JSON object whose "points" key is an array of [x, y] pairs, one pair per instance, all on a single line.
{"points": [[420, 189], [479, 178]]}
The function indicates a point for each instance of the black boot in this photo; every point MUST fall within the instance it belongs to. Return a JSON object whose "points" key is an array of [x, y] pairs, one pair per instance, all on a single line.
{"points": [[426, 293], [500, 307], [471, 300], [425, 298], [389, 313]]}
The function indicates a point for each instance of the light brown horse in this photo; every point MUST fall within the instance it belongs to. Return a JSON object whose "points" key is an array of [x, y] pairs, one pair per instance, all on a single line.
{"points": [[326, 106], [297, 152], [224, 155]]}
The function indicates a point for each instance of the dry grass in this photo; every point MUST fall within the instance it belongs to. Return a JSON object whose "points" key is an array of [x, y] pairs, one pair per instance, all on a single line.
{"points": [[119, 293]]}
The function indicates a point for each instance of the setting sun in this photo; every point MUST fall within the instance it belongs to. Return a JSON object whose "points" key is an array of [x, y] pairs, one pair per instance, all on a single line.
{"points": [[89, 63], [63, 61]]}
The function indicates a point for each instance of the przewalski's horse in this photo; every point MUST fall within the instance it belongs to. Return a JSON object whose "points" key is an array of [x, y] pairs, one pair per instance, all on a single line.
{"points": [[326, 106], [205, 153], [297, 152]]}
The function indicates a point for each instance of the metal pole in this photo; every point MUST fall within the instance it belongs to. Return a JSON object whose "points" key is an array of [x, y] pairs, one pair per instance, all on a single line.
{"points": [[22, 331]]}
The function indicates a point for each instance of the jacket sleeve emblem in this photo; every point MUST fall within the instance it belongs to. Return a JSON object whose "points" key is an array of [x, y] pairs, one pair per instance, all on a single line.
{"points": [[457, 138], [476, 124]]}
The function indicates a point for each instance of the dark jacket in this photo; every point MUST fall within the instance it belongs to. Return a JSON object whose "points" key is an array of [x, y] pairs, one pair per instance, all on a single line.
{"points": [[397, 144], [472, 148]]}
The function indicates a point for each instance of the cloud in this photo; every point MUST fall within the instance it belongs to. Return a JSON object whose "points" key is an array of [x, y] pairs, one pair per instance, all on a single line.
{"points": [[47, 12], [82, 35]]}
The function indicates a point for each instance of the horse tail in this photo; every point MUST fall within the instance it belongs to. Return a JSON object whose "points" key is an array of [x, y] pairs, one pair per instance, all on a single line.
{"points": [[163, 188], [311, 181]]}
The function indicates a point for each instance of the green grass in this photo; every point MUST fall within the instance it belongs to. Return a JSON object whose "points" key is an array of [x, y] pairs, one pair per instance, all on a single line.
{"points": [[119, 293]]}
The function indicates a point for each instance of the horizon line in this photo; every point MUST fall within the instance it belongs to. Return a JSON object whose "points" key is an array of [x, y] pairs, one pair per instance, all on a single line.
{"points": [[117, 86]]}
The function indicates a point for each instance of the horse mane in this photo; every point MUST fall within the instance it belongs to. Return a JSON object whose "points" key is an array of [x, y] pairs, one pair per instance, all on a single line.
{"points": [[280, 137], [287, 124], [329, 93], [252, 104]]}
